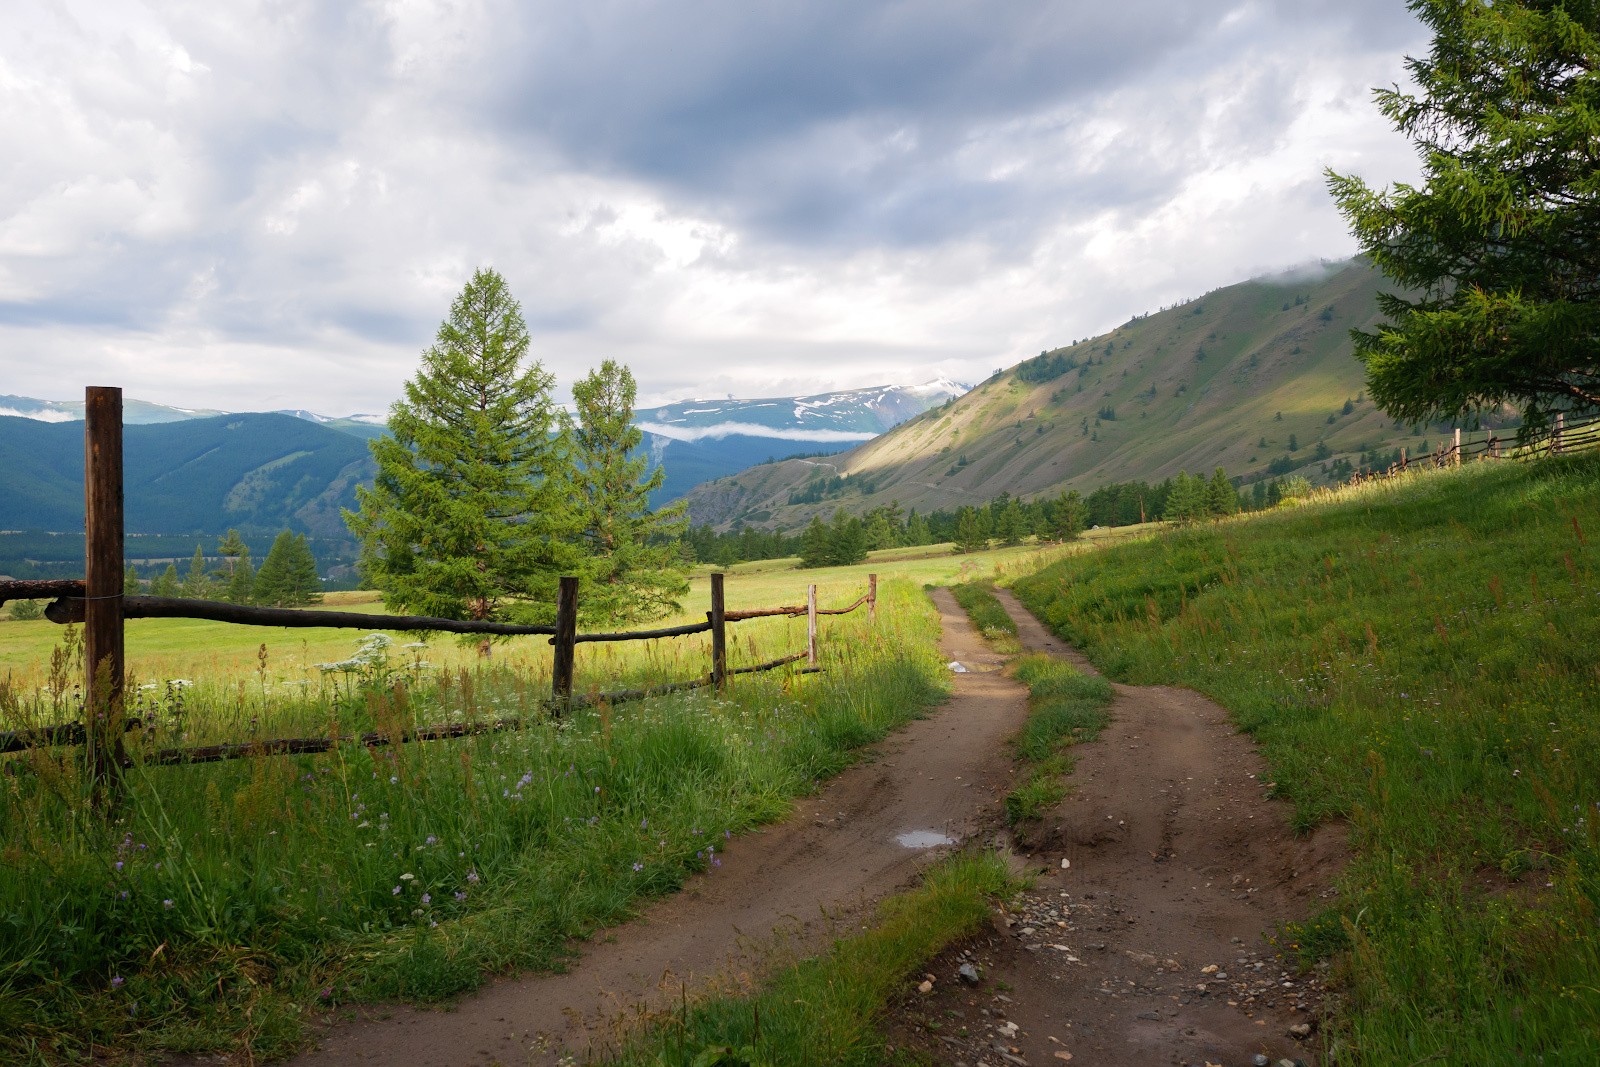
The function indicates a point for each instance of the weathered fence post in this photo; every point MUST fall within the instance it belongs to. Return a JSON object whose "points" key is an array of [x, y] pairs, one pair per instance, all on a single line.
{"points": [[719, 633], [1555, 438], [1455, 449], [565, 641], [872, 599], [1402, 457], [1494, 447], [811, 626], [102, 581]]}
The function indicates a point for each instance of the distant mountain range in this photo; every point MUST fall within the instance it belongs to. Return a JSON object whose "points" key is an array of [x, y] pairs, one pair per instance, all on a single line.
{"points": [[202, 472]]}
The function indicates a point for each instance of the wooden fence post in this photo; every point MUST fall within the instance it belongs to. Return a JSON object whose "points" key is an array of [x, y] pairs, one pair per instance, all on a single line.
{"points": [[1555, 438], [565, 641], [1402, 457], [102, 581], [719, 633], [1494, 447], [872, 599], [811, 626], [1455, 449]]}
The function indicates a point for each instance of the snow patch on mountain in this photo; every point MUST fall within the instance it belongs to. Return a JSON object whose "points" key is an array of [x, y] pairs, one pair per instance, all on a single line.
{"points": [[750, 429]]}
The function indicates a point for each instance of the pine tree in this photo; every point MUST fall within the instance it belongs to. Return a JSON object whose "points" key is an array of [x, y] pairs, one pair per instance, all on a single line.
{"points": [[288, 576], [816, 547], [197, 583], [1067, 516], [1498, 248], [1221, 497], [131, 585], [970, 533], [242, 582], [166, 583], [917, 532], [1187, 501], [847, 539], [632, 569], [1012, 525], [880, 531], [26, 610], [469, 516]]}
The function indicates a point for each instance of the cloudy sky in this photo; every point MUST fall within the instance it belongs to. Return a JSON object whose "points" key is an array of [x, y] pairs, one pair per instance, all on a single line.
{"points": [[263, 205]]}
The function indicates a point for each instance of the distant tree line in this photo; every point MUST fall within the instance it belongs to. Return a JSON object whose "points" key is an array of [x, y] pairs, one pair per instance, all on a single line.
{"points": [[287, 577], [1005, 520]]}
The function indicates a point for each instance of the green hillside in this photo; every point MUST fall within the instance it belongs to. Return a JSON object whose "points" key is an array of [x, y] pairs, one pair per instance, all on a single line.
{"points": [[1194, 387], [256, 472]]}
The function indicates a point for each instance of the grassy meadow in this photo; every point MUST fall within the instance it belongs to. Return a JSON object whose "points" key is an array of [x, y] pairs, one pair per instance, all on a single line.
{"points": [[226, 902], [1420, 658]]}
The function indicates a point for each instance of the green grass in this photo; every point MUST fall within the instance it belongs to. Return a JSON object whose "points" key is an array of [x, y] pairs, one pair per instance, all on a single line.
{"points": [[1065, 707], [1418, 658], [992, 620], [228, 901], [830, 1010]]}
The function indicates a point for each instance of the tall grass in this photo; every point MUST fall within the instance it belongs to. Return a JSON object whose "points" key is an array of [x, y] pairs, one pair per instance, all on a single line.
{"points": [[1418, 657], [226, 901], [829, 1010]]}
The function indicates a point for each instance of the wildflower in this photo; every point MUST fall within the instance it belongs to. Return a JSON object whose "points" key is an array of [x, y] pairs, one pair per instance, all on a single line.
{"points": [[118, 865], [431, 840], [408, 876], [637, 867], [427, 898], [472, 877], [116, 981], [167, 904], [395, 891], [461, 894]]}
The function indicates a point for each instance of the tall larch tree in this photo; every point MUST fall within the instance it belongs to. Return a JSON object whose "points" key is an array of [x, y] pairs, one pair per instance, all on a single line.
{"points": [[471, 513]]}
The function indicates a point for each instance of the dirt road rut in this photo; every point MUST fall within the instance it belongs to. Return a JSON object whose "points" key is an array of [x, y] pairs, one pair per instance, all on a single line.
{"points": [[1150, 947]]}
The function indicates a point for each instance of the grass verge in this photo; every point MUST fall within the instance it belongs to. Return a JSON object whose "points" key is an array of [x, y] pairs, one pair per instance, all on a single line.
{"points": [[1065, 707], [990, 617], [227, 902], [1417, 657], [830, 1009]]}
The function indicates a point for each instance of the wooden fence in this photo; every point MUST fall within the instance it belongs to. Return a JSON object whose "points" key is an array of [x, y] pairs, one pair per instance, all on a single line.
{"points": [[97, 601], [1565, 437]]}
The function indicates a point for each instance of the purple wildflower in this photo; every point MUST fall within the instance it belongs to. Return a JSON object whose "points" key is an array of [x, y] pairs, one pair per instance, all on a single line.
{"points": [[427, 898], [472, 877], [395, 891], [167, 904], [461, 894], [637, 867], [116, 981]]}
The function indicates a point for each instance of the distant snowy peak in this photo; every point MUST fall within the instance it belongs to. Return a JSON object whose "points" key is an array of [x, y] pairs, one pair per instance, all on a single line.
{"points": [[134, 412], [851, 414]]}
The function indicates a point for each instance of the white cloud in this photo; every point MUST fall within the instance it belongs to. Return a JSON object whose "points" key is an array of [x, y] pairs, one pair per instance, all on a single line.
{"points": [[271, 205]]}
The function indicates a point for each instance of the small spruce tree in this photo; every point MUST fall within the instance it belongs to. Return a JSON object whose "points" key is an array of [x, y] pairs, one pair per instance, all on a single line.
{"points": [[288, 576]]}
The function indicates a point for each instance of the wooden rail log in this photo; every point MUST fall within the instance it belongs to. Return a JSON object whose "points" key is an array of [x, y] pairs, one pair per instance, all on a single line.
{"points": [[792, 609], [40, 589], [71, 609], [644, 635]]}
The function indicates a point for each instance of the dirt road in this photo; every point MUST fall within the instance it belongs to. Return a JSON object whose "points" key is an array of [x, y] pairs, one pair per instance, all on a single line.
{"points": [[944, 775], [1150, 947]]}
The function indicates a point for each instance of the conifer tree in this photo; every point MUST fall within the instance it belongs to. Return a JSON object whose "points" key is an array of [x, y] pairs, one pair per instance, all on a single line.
{"points": [[1221, 497], [847, 540], [917, 532], [633, 570], [131, 585], [166, 583], [197, 583], [242, 582], [970, 533], [1012, 525], [1187, 501], [288, 576], [469, 516], [1498, 248], [816, 547], [1068, 513]]}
